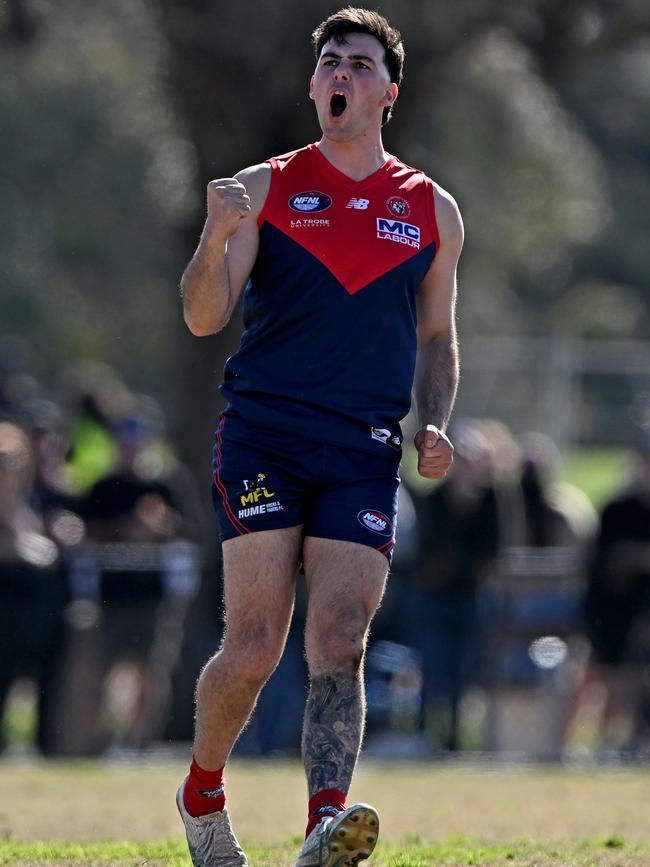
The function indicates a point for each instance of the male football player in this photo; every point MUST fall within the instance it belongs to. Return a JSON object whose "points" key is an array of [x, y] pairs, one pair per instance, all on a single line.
{"points": [[347, 261]]}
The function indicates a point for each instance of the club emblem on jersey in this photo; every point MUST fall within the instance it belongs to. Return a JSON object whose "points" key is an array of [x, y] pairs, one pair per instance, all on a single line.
{"points": [[375, 521], [310, 201], [398, 206]]}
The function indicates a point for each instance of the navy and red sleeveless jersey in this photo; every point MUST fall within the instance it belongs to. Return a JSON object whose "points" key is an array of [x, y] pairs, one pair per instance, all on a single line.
{"points": [[329, 345]]}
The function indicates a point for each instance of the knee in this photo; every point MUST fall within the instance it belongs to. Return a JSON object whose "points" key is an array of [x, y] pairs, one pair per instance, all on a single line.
{"points": [[335, 641], [254, 652]]}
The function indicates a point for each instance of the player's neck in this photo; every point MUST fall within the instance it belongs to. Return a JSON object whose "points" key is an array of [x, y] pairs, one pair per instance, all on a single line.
{"points": [[357, 161]]}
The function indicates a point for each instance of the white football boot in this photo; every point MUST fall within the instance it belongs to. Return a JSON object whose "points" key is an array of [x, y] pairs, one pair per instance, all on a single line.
{"points": [[341, 840], [211, 839]]}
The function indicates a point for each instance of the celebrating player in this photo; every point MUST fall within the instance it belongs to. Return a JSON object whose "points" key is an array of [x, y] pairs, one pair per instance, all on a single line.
{"points": [[347, 261]]}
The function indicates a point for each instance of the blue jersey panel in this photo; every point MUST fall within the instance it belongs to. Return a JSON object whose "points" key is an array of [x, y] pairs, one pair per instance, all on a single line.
{"points": [[317, 360]]}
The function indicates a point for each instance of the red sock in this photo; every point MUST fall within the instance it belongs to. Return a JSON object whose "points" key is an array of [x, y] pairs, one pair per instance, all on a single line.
{"points": [[205, 791], [327, 802]]}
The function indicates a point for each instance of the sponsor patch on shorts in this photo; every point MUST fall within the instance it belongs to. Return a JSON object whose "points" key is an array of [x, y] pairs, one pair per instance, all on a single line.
{"points": [[256, 499], [385, 436], [375, 521]]}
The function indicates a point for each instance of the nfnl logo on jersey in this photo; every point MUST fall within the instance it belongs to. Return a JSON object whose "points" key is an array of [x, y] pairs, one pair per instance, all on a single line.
{"points": [[311, 200], [398, 231]]}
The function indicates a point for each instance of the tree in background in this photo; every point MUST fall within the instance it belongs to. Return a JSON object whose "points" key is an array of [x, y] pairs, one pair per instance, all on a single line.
{"points": [[534, 114]]}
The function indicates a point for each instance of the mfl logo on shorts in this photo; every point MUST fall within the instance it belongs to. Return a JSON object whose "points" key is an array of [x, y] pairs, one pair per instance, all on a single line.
{"points": [[398, 231], [311, 201], [375, 521]]}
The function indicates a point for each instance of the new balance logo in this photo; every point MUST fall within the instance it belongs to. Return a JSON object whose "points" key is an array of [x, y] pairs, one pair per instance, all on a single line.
{"points": [[358, 204]]}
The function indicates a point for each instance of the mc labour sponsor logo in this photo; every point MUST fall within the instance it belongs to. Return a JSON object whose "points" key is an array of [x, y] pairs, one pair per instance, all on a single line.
{"points": [[375, 521], [399, 232]]}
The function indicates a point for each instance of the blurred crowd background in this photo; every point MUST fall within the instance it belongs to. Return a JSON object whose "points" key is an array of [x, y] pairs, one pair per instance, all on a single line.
{"points": [[517, 616]]}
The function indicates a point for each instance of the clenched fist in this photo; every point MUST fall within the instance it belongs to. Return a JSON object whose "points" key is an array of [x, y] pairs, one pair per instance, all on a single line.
{"points": [[228, 205], [435, 452]]}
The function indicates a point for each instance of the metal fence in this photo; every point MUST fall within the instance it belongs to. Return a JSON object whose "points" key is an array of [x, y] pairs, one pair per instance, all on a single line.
{"points": [[589, 392]]}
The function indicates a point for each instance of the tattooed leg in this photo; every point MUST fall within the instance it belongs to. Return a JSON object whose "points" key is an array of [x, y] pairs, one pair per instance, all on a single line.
{"points": [[332, 730], [345, 582]]}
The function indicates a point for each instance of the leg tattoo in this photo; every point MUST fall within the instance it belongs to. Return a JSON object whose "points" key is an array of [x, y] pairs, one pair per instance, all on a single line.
{"points": [[332, 730]]}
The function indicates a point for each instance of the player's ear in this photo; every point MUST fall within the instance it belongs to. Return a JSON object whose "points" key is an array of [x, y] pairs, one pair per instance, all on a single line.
{"points": [[311, 87], [391, 94]]}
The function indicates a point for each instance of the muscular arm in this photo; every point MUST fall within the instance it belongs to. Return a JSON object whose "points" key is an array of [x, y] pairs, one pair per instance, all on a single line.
{"points": [[217, 273], [436, 379], [436, 374]]}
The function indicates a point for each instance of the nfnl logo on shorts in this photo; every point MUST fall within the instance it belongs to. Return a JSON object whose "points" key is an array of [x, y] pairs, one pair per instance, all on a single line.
{"points": [[375, 521], [398, 231], [311, 200]]}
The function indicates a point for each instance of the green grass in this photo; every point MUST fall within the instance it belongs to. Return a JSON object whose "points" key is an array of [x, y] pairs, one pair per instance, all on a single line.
{"points": [[454, 851], [112, 814]]}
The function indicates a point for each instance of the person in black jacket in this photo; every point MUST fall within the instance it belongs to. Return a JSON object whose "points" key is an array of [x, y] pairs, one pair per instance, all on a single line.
{"points": [[460, 542], [617, 608]]}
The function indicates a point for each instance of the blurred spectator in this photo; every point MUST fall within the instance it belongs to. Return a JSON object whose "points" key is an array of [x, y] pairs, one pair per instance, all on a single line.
{"points": [[556, 513], [16, 384], [460, 544], [96, 398], [53, 496], [32, 588], [544, 571], [535, 606], [140, 571], [132, 503], [617, 613], [505, 463]]}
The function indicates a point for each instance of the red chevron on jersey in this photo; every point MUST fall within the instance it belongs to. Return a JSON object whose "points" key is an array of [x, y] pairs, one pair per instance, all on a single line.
{"points": [[359, 230]]}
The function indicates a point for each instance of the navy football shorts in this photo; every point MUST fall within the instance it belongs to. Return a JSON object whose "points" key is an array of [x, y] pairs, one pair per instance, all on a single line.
{"points": [[268, 480]]}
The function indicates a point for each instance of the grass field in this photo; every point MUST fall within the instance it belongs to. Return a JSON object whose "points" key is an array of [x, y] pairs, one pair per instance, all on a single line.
{"points": [[73, 814]]}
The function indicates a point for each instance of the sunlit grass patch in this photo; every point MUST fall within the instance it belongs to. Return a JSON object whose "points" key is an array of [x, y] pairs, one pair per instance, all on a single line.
{"points": [[455, 851]]}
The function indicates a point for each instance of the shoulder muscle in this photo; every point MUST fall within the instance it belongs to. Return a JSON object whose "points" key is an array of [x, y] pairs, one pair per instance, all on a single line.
{"points": [[450, 223], [257, 180]]}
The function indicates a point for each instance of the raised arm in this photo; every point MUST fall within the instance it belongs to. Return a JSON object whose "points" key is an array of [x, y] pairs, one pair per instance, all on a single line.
{"points": [[217, 273], [436, 375]]}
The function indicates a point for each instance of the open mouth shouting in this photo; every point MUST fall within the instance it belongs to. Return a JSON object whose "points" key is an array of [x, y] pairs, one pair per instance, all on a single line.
{"points": [[338, 103]]}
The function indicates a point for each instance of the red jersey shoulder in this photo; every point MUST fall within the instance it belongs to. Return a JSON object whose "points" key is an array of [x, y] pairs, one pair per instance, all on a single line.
{"points": [[282, 161], [297, 190]]}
